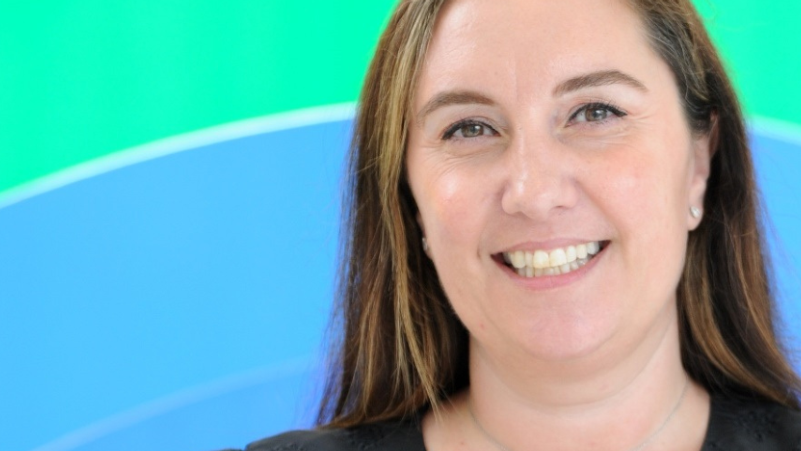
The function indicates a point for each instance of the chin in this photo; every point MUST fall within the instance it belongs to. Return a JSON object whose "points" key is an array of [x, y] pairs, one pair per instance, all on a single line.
{"points": [[567, 342]]}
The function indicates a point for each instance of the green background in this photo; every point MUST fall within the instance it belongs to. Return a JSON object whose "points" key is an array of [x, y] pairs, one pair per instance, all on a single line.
{"points": [[82, 79]]}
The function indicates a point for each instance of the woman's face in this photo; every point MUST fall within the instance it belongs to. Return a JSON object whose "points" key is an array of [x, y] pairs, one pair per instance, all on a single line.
{"points": [[542, 129]]}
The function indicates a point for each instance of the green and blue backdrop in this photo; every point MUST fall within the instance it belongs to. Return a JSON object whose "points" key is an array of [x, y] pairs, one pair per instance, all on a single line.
{"points": [[169, 202]]}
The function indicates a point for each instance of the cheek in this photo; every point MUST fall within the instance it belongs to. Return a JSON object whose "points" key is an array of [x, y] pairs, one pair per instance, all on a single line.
{"points": [[451, 203], [648, 184], [647, 196], [454, 221]]}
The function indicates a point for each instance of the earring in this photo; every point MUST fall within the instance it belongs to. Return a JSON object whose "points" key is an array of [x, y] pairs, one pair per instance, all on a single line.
{"points": [[425, 244], [695, 212]]}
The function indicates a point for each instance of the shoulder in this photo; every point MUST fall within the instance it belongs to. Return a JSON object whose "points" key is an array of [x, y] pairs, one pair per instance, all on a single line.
{"points": [[737, 423], [387, 436]]}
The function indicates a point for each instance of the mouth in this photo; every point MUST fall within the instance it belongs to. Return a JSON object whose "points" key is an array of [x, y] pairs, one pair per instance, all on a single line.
{"points": [[553, 262]]}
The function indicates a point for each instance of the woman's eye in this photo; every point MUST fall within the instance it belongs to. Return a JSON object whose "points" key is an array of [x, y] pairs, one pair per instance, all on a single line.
{"points": [[596, 113], [471, 130], [468, 130]]}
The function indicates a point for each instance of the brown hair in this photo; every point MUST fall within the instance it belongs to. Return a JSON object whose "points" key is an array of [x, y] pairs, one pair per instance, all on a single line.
{"points": [[402, 346]]}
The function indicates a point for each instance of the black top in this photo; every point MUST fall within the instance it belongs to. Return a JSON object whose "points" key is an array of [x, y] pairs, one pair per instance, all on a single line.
{"points": [[734, 425]]}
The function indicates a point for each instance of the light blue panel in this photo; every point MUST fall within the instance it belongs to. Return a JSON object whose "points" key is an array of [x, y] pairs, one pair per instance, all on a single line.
{"points": [[778, 162], [240, 415], [131, 286]]}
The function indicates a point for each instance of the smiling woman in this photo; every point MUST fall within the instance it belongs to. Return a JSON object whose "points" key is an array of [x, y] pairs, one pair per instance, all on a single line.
{"points": [[553, 241]]}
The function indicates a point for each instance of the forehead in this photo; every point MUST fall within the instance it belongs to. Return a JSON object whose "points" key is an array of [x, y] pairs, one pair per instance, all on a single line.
{"points": [[533, 45]]}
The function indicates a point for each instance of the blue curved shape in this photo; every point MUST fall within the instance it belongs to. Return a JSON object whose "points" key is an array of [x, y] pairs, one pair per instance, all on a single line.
{"points": [[777, 163], [136, 284], [234, 411], [184, 270]]}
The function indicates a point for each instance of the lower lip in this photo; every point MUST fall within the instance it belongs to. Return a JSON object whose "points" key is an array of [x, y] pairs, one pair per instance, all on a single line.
{"points": [[550, 282]]}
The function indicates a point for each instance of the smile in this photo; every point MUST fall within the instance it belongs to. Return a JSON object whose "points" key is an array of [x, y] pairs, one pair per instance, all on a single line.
{"points": [[540, 263]]}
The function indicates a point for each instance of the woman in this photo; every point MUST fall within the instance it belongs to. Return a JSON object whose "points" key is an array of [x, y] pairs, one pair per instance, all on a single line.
{"points": [[553, 241]]}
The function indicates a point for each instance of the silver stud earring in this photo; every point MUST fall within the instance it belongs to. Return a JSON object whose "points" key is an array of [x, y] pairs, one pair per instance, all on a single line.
{"points": [[425, 244], [695, 212]]}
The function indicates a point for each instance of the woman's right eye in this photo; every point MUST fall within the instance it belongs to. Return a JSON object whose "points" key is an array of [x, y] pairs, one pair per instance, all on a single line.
{"points": [[468, 130]]}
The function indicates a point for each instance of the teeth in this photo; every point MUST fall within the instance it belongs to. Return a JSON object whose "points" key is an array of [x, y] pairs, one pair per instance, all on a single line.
{"points": [[571, 254], [518, 259], [556, 262], [541, 260], [558, 257]]}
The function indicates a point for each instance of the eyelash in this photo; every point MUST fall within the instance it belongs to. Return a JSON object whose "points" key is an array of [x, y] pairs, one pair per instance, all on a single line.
{"points": [[461, 124], [608, 106]]}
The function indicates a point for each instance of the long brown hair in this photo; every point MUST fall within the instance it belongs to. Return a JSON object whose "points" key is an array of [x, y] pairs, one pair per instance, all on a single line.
{"points": [[401, 346]]}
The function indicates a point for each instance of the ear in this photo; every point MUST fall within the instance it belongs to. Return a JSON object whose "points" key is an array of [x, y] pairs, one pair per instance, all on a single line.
{"points": [[704, 146], [419, 219]]}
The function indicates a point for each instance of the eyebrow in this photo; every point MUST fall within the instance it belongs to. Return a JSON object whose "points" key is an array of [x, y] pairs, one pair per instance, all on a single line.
{"points": [[600, 78], [593, 79], [448, 98]]}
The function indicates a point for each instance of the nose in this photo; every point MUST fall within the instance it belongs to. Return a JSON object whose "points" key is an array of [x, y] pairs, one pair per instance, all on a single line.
{"points": [[541, 178]]}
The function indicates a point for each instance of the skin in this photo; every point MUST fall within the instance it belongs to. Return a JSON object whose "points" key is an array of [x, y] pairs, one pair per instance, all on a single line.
{"points": [[583, 361]]}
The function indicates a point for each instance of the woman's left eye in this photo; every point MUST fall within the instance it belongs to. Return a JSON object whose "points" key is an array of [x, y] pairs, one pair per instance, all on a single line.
{"points": [[596, 112]]}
